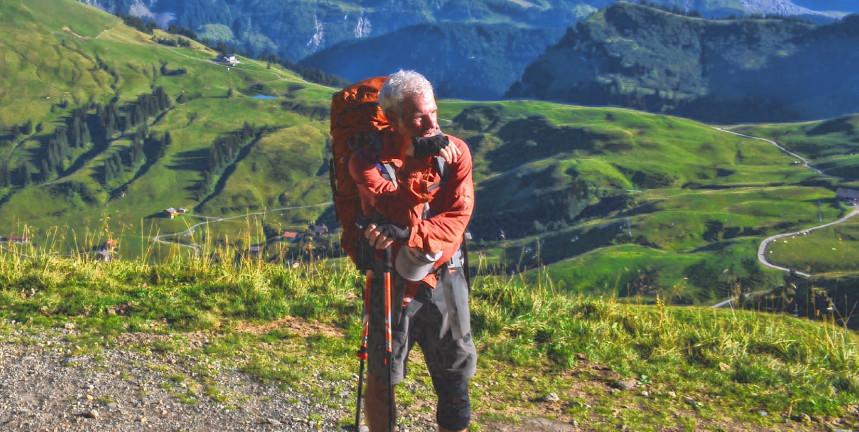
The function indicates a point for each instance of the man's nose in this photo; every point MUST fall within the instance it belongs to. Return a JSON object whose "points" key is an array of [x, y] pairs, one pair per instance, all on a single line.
{"points": [[429, 123]]}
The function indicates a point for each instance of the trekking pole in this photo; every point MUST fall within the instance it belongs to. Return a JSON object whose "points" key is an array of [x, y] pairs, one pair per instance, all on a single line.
{"points": [[392, 415], [362, 352]]}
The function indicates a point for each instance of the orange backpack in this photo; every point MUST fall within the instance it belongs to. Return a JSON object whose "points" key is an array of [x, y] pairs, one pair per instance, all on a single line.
{"points": [[356, 119]]}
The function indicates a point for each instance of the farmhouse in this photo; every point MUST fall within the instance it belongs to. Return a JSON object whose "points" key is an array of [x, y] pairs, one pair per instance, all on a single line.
{"points": [[849, 195], [319, 229], [173, 212], [231, 59]]}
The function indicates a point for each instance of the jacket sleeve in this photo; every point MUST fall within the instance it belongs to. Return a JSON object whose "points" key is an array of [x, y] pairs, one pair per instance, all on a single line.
{"points": [[451, 207], [379, 193]]}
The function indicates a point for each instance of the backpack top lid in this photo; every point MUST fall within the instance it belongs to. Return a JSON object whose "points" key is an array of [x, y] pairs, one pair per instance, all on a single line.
{"points": [[356, 108]]}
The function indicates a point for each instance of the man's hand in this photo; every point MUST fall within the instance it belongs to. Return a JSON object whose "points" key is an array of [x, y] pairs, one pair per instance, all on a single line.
{"points": [[383, 235], [429, 146], [436, 145]]}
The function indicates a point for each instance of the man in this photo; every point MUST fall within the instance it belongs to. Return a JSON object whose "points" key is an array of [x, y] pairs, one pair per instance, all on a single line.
{"points": [[422, 215]]}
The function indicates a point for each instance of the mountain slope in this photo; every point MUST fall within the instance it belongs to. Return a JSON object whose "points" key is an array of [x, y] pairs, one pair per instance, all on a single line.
{"points": [[104, 128], [469, 61], [717, 71]]}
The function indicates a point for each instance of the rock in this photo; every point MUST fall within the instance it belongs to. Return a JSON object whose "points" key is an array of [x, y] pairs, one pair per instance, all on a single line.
{"points": [[551, 397], [273, 422], [626, 384], [93, 414]]}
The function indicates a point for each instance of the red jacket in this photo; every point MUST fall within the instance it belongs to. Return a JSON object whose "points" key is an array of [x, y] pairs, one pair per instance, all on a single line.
{"points": [[450, 206]]}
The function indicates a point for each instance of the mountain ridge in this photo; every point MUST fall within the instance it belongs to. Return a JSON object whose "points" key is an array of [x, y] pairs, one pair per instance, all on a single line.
{"points": [[715, 71], [453, 56]]}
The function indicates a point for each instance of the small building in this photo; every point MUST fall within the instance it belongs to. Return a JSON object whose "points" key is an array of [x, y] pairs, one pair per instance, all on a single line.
{"points": [[18, 239], [848, 195], [319, 230], [290, 235], [231, 59], [173, 212]]}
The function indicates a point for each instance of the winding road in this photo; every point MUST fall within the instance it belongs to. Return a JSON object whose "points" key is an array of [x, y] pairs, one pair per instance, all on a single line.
{"points": [[762, 249]]}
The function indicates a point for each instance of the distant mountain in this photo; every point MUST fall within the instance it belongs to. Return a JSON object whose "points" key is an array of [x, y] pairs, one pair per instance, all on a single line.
{"points": [[466, 61], [295, 29], [718, 71], [318, 34]]}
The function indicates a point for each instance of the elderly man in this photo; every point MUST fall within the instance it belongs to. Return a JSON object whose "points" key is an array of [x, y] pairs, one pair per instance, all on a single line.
{"points": [[420, 208]]}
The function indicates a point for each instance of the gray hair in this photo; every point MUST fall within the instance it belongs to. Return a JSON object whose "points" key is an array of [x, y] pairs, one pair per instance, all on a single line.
{"points": [[399, 86]]}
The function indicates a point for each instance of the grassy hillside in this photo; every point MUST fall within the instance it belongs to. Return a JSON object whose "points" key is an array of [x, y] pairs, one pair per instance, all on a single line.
{"points": [[597, 363], [645, 203], [84, 63], [830, 146]]}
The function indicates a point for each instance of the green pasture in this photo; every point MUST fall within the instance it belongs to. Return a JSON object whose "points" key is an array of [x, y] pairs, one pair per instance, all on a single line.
{"points": [[829, 250], [830, 145]]}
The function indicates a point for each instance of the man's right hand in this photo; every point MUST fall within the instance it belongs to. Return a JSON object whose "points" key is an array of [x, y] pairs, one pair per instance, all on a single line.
{"points": [[429, 146], [383, 235]]}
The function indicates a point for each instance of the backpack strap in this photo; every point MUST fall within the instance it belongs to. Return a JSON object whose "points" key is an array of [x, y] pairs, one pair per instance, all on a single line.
{"points": [[387, 169], [442, 168]]}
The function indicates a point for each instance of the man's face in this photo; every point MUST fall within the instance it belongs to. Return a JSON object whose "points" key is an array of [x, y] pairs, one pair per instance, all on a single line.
{"points": [[419, 117]]}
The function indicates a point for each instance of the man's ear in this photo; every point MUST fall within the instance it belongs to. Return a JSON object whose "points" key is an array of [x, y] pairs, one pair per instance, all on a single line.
{"points": [[390, 115]]}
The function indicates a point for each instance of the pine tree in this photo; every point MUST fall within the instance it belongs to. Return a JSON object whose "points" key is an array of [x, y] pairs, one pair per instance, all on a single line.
{"points": [[162, 98], [137, 155], [23, 174], [46, 171]]}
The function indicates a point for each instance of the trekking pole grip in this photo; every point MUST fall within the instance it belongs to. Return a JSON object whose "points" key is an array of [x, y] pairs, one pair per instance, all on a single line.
{"points": [[387, 263]]}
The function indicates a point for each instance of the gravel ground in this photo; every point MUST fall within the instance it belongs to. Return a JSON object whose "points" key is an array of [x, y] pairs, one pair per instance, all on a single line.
{"points": [[44, 388]]}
